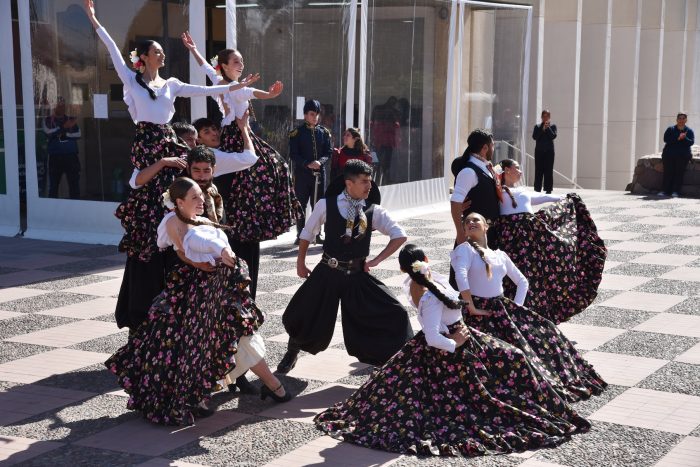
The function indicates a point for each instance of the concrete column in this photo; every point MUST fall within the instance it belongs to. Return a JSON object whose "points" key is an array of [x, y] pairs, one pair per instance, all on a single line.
{"points": [[690, 91], [622, 102], [673, 68], [596, 33], [650, 68], [560, 82]]}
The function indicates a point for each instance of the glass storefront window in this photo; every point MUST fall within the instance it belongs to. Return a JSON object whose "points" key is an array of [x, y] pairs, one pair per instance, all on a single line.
{"points": [[492, 72], [302, 44], [405, 98], [70, 66]]}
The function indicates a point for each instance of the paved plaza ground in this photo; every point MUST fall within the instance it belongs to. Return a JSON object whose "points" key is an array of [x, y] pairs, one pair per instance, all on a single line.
{"points": [[60, 406]]}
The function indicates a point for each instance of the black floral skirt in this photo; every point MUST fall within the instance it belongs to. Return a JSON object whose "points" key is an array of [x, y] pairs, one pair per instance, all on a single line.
{"points": [[261, 203], [545, 347], [485, 398], [559, 251], [187, 343], [143, 210]]}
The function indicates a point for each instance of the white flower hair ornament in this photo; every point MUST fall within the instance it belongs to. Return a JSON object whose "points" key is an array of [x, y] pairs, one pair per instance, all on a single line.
{"points": [[167, 201], [498, 169], [420, 266], [134, 56], [215, 63]]}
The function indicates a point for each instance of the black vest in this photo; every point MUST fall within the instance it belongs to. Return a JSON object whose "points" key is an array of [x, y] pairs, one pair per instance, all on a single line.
{"points": [[483, 196], [335, 229]]}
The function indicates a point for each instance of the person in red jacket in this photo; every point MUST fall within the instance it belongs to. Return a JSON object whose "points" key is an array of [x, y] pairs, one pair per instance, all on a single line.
{"points": [[353, 148]]}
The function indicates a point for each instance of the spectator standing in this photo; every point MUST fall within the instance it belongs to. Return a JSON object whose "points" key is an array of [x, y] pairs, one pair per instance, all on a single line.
{"points": [[544, 135], [679, 138]]}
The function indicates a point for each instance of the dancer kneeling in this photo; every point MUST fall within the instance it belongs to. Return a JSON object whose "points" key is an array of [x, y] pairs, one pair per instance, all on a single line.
{"points": [[557, 248], [188, 342], [480, 272], [451, 390]]}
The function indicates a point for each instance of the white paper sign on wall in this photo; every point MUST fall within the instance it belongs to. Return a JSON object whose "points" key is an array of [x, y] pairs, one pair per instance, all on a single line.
{"points": [[99, 106]]}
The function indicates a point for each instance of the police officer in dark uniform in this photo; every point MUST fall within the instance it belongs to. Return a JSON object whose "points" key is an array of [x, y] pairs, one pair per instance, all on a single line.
{"points": [[310, 147]]}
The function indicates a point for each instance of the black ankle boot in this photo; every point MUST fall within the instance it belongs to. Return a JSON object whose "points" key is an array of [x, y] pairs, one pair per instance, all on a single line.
{"points": [[265, 392]]}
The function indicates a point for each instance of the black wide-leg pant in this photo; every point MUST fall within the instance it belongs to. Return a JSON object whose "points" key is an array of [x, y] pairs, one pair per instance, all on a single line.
{"points": [[375, 324], [142, 282]]}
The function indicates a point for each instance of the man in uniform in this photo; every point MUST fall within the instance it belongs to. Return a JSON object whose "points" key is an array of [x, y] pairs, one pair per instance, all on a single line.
{"points": [[310, 147]]}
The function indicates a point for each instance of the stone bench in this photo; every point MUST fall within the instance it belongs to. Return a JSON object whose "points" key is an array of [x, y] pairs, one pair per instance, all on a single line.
{"points": [[649, 173]]}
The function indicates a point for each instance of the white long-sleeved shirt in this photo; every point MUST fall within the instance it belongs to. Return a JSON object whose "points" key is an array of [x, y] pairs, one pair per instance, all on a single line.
{"points": [[381, 220], [226, 162], [141, 107], [525, 199], [466, 180], [202, 243], [434, 316], [236, 101], [470, 273]]}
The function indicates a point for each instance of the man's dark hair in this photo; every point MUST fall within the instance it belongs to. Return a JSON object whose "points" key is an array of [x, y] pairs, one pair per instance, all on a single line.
{"points": [[355, 167], [682, 114], [183, 128], [204, 123], [201, 153], [477, 139]]}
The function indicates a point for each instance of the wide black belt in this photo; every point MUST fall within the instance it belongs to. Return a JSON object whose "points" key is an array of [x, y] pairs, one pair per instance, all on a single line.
{"points": [[349, 267]]}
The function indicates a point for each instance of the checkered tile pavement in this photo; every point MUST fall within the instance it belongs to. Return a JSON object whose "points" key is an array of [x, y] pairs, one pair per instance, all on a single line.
{"points": [[59, 406]]}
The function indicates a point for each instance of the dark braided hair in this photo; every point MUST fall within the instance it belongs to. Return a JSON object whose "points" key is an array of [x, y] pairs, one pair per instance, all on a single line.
{"points": [[408, 255], [178, 190], [223, 57], [506, 164], [142, 49], [479, 249]]}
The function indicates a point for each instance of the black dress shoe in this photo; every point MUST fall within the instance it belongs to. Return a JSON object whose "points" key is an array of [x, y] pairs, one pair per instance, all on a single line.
{"points": [[288, 362], [245, 386], [201, 410], [265, 392]]}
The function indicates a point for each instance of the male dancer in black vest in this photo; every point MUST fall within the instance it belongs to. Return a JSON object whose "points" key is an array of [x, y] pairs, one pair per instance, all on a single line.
{"points": [[375, 324], [477, 188]]}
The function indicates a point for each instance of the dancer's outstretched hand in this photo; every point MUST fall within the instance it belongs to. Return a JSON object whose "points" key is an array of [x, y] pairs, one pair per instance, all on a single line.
{"points": [[90, 8], [247, 81], [187, 41], [275, 89]]}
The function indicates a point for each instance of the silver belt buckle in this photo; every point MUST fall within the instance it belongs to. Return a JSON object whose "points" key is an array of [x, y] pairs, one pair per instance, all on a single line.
{"points": [[332, 263]]}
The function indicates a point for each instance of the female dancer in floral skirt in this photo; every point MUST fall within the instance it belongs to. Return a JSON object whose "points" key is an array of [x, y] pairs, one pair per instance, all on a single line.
{"points": [[260, 203], [173, 360], [451, 390], [557, 248], [150, 100], [479, 273]]}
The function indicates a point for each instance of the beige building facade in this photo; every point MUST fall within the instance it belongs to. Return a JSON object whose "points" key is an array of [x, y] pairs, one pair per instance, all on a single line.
{"points": [[614, 74]]}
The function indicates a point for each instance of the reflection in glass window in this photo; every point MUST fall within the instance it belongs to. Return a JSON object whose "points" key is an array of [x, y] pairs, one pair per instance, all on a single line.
{"points": [[492, 70], [80, 156], [405, 103]]}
